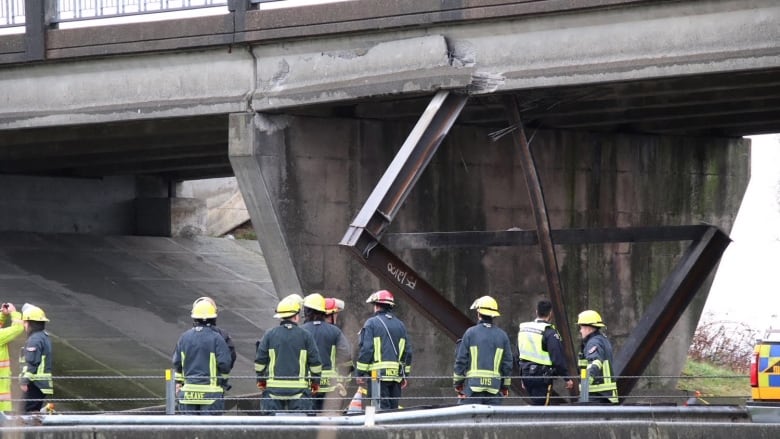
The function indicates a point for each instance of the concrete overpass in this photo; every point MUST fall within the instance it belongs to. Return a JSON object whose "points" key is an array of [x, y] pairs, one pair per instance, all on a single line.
{"points": [[638, 109]]}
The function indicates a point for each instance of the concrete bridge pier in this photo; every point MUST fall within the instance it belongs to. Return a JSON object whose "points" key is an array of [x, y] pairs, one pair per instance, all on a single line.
{"points": [[305, 178]]}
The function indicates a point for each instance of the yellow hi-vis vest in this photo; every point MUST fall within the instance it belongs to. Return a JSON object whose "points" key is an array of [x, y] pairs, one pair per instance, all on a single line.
{"points": [[529, 343], [7, 334]]}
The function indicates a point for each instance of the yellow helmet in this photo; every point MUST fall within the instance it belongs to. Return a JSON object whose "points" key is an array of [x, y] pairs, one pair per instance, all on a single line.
{"points": [[487, 306], [590, 318], [288, 307], [296, 297], [33, 313], [315, 301], [204, 308]]}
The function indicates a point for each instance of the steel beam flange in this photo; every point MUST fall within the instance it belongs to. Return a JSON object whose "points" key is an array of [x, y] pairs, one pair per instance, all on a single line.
{"points": [[381, 207], [663, 313]]}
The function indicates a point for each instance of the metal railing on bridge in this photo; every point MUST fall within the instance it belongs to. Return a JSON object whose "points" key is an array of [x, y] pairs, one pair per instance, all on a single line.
{"points": [[12, 12], [153, 395]]}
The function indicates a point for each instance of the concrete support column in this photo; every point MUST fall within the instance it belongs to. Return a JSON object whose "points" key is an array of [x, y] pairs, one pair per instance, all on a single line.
{"points": [[256, 147]]}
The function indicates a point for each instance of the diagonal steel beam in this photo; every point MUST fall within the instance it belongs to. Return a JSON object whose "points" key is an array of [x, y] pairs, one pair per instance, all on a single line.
{"points": [[423, 297], [392, 189], [381, 207], [539, 208], [665, 310]]}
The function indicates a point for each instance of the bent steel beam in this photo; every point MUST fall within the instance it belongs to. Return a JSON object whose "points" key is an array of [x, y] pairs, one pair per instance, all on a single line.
{"points": [[381, 207], [539, 208], [665, 310]]}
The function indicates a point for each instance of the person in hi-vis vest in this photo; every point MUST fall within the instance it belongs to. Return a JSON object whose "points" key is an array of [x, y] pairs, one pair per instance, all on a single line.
{"points": [[541, 355]]}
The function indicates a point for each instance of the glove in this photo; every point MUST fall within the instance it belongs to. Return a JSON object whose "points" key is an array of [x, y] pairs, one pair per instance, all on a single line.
{"points": [[504, 391], [261, 385], [459, 390], [315, 388]]}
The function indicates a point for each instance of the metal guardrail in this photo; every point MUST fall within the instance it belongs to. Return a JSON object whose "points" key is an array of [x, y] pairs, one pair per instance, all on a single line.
{"points": [[76, 10], [152, 395], [460, 415], [12, 12]]}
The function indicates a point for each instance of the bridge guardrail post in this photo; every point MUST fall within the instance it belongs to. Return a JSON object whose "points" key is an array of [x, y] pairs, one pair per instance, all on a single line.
{"points": [[584, 385], [375, 389], [170, 393]]}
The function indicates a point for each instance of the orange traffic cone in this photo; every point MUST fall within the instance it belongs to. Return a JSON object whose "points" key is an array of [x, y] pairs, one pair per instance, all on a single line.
{"points": [[356, 405]]}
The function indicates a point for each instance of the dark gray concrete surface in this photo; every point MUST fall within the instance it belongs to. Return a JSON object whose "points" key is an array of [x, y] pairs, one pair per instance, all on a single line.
{"points": [[117, 305]]}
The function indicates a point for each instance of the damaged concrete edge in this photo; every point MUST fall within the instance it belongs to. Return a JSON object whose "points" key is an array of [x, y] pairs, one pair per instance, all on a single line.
{"points": [[408, 66]]}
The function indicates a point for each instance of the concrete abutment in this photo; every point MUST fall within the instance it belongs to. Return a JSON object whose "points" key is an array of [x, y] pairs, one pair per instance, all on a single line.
{"points": [[305, 178]]}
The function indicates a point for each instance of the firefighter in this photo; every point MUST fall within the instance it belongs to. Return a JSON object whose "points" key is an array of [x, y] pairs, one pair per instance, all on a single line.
{"points": [[596, 358], [335, 351], [36, 359], [201, 357], [483, 359], [223, 381], [541, 355], [11, 326], [333, 307], [287, 362], [384, 347]]}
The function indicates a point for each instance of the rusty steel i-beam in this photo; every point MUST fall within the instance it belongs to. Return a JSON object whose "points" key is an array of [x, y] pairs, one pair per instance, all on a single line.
{"points": [[364, 233]]}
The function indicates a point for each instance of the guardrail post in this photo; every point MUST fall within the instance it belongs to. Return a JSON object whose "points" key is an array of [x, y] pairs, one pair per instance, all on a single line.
{"points": [[584, 385], [170, 393], [375, 389]]}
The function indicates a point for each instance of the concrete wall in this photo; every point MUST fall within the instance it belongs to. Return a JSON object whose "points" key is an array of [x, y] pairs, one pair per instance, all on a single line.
{"points": [[67, 205], [225, 208], [126, 205], [328, 168]]}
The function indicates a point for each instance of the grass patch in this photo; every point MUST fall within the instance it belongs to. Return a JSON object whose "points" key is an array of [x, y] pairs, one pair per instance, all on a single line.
{"points": [[712, 380]]}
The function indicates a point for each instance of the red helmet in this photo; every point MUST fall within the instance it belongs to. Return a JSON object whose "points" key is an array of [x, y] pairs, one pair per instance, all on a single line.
{"points": [[382, 296], [333, 305]]}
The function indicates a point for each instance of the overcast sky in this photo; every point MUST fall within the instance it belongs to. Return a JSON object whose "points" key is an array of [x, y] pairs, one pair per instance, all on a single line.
{"points": [[746, 286]]}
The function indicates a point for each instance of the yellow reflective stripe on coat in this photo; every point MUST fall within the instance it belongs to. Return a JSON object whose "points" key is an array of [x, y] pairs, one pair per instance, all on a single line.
{"points": [[474, 372], [41, 379], [298, 382], [329, 376], [199, 394]]}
